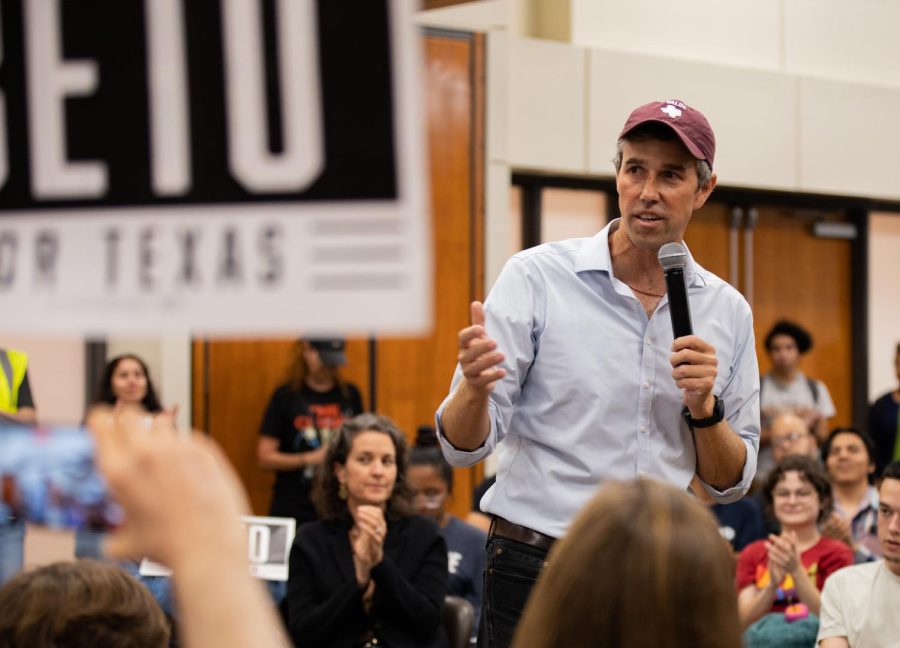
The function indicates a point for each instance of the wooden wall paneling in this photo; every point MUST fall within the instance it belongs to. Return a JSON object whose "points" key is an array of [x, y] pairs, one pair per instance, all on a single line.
{"points": [[707, 238], [199, 385], [233, 379], [414, 374], [242, 374], [807, 280], [796, 276], [466, 481]]}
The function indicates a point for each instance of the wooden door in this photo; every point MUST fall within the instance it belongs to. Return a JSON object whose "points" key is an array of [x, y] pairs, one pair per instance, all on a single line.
{"points": [[806, 279], [708, 238], [232, 380], [796, 276], [232, 383]]}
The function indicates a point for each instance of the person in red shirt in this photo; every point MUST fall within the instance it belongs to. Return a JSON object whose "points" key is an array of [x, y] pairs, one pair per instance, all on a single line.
{"points": [[786, 572]]}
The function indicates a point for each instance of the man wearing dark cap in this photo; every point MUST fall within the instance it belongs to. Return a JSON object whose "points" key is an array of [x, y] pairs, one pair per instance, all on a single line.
{"points": [[786, 389], [570, 368]]}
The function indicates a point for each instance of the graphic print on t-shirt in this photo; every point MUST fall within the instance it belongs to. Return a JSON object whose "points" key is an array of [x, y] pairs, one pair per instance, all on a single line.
{"points": [[787, 591], [319, 426]]}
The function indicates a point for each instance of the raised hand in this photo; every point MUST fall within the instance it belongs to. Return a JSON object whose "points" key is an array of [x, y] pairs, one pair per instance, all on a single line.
{"points": [[838, 527], [367, 540], [784, 554], [777, 559], [179, 492], [370, 521], [478, 356]]}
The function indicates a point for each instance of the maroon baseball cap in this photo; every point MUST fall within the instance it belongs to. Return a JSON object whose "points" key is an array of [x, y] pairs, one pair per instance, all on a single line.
{"points": [[688, 123]]}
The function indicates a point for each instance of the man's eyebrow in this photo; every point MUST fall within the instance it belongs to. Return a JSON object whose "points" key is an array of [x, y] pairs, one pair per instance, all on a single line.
{"points": [[670, 166]]}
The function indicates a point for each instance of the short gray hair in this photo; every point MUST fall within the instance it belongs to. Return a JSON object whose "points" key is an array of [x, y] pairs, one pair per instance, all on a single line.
{"points": [[704, 171]]}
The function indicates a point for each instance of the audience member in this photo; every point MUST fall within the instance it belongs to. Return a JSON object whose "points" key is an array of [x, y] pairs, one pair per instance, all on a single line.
{"points": [[182, 502], [368, 573], [785, 388], [430, 478], [641, 565], [884, 423], [779, 579], [789, 435], [16, 407], [299, 421], [83, 603], [740, 522], [859, 604], [854, 521], [125, 382]]}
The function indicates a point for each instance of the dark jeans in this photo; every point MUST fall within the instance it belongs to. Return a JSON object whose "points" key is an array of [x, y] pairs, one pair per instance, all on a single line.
{"points": [[509, 575]]}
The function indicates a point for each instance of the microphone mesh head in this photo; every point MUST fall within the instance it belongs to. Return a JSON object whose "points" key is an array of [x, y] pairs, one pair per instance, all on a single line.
{"points": [[672, 255]]}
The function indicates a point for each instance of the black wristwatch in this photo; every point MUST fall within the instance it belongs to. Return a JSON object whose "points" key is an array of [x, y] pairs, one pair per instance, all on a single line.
{"points": [[717, 416]]}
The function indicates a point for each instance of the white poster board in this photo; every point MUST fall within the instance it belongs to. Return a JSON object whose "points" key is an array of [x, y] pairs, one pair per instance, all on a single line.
{"points": [[269, 542], [213, 166]]}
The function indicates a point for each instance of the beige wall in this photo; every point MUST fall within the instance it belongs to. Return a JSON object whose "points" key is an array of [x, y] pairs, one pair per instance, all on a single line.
{"points": [[884, 301], [56, 368], [797, 91], [792, 93], [169, 361]]}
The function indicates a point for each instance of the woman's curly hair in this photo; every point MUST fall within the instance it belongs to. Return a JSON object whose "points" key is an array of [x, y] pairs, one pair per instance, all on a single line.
{"points": [[325, 496]]}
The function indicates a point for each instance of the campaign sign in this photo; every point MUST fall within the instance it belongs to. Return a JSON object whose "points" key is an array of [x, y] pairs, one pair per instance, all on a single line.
{"points": [[214, 166], [269, 545], [268, 548]]}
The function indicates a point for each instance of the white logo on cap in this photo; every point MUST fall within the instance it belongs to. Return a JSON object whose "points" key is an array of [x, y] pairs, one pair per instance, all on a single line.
{"points": [[671, 111]]}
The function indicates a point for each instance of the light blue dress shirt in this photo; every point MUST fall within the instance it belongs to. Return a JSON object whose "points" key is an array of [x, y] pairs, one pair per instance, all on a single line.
{"points": [[588, 394]]}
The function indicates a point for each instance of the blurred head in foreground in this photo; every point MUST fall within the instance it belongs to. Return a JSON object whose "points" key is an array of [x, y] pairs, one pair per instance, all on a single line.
{"points": [[643, 564], [83, 603]]}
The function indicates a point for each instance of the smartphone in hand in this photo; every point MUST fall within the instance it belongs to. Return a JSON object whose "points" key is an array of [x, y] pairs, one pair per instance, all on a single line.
{"points": [[48, 477]]}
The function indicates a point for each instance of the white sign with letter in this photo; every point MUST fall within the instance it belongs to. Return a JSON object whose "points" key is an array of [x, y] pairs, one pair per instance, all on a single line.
{"points": [[269, 541], [212, 166]]}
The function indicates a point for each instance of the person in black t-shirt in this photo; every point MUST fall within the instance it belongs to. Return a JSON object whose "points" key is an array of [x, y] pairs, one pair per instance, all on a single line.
{"points": [[884, 424], [299, 421]]}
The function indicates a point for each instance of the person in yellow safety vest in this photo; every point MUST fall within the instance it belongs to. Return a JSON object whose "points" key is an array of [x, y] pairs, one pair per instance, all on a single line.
{"points": [[16, 407], [16, 403]]}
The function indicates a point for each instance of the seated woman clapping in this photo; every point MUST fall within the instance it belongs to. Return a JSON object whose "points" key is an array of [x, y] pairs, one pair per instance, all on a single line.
{"points": [[779, 579], [368, 572]]}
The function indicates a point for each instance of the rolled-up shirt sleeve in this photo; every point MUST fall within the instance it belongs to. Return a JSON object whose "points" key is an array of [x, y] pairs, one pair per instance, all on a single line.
{"points": [[513, 316], [741, 398]]}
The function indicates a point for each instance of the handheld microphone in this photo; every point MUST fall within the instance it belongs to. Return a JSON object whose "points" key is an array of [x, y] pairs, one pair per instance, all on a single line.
{"points": [[673, 259]]}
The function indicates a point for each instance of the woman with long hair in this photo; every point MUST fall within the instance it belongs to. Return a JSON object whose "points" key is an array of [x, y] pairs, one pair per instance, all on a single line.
{"points": [[643, 565], [126, 381], [299, 421], [368, 572]]}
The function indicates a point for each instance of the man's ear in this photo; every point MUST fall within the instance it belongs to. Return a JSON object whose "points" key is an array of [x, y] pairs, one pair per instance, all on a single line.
{"points": [[704, 192]]}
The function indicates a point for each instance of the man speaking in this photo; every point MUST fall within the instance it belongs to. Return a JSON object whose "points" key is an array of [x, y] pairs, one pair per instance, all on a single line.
{"points": [[571, 366]]}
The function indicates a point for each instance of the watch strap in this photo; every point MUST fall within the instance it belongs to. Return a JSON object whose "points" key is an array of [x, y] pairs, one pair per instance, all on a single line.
{"points": [[717, 416]]}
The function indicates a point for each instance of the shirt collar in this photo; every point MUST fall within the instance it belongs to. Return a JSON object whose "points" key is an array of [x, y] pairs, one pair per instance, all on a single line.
{"points": [[595, 256], [872, 494], [868, 503]]}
